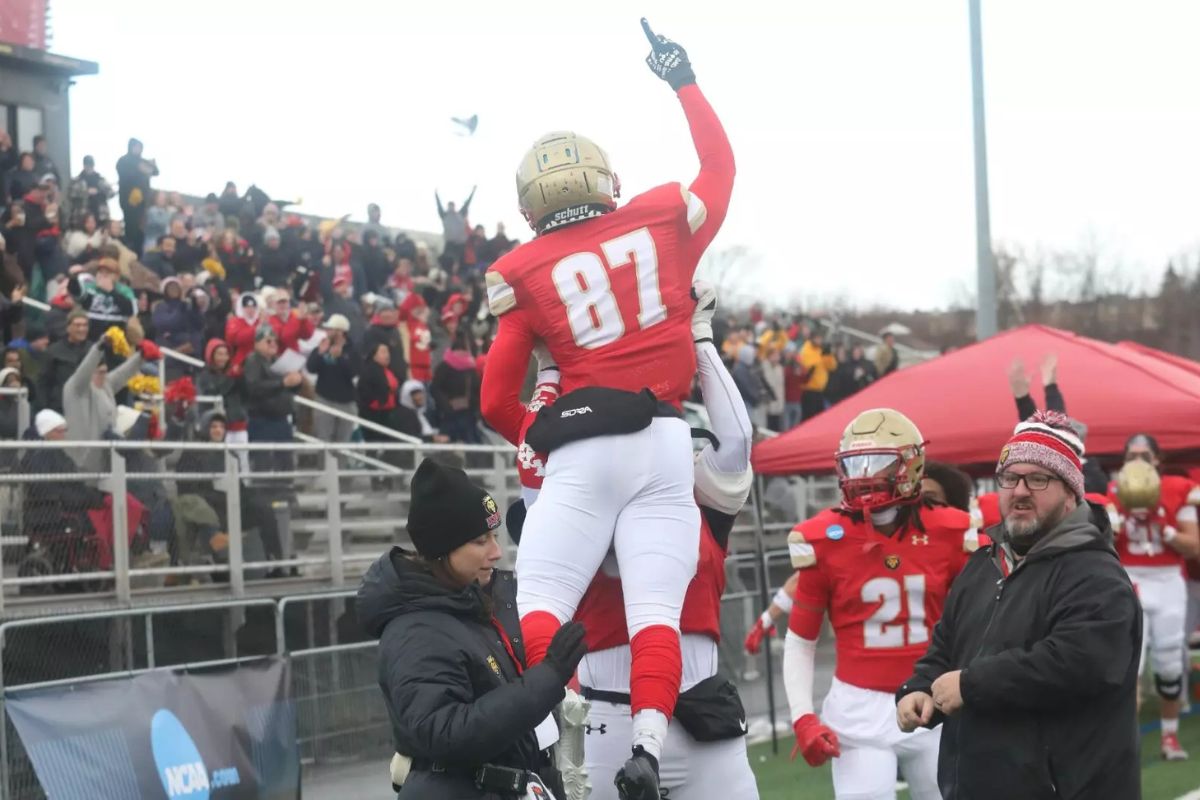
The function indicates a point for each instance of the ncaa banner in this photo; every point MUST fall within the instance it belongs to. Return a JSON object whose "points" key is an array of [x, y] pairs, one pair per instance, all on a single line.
{"points": [[227, 733]]}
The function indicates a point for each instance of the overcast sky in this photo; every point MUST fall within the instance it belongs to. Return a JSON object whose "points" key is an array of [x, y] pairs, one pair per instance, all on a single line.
{"points": [[850, 120]]}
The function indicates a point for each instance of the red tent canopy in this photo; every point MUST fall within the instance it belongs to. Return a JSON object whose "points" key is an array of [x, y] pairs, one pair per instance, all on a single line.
{"points": [[1179, 361], [963, 405]]}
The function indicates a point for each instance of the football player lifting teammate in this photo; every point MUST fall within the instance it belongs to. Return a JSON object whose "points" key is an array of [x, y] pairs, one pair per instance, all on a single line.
{"points": [[880, 565], [608, 291]]}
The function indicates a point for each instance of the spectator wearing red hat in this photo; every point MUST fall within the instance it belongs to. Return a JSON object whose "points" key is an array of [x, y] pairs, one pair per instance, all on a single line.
{"points": [[414, 332]]}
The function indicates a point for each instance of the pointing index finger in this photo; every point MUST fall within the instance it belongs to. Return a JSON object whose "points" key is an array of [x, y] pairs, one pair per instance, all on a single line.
{"points": [[649, 33]]}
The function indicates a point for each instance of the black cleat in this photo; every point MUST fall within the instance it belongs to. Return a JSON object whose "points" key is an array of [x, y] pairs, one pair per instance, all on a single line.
{"points": [[638, 779]]}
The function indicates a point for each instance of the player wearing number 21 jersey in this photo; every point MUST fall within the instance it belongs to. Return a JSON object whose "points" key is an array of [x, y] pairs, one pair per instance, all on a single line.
{"points": [[607, 291], [880, 566]]}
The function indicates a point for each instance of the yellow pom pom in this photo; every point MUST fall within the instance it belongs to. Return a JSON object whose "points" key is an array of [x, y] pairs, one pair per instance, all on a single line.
{"points": [[120, 345], [146, 385], [215, 267], [135, 197]]}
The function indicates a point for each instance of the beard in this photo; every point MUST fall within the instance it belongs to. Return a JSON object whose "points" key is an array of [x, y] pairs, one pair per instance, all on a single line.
{"points": [[1026, 530]]}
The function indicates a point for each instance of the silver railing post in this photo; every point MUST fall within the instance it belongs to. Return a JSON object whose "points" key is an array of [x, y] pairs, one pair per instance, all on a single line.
{"points": [[120, 506], [333, 512], [231, 484], [22, 412]]}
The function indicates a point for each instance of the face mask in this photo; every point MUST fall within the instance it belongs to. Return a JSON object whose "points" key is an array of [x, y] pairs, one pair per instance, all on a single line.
{"points": [[885, 517]]}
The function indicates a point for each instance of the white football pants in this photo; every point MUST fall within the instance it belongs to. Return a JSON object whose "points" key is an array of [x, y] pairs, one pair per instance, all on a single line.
{"points": [[689, 770], [1163, 595], [873, 746], [631, 492]]}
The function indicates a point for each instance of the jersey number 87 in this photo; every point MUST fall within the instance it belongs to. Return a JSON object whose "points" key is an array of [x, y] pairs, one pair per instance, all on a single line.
{"points": [[584, 288]]}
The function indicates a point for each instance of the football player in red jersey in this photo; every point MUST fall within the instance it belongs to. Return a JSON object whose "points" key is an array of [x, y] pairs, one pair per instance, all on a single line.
{"points": [[1155, 521], [942, 484], [880, 566], [700, 760], [608, 291]]}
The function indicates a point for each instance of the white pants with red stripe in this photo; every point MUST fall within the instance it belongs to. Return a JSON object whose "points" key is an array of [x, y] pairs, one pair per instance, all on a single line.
{"points": [[1163, 595], [632, 493], [873, 746]]}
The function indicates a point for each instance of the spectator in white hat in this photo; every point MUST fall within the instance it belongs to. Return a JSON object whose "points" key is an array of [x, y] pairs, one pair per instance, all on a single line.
{"points": [[336, 366]]}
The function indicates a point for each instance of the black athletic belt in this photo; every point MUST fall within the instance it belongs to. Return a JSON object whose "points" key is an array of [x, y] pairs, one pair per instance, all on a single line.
{"points": [[616, 698], [667, 410], [487, 777]]}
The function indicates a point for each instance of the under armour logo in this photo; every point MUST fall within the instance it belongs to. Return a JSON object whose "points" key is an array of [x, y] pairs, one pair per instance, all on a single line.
{"points": [[529, 461], [920, 539], [601, 728]]}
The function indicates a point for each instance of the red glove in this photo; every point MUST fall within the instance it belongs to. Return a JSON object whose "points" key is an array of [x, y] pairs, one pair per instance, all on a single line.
{"points": [[150, 350], [754, 638], [815, 741]]}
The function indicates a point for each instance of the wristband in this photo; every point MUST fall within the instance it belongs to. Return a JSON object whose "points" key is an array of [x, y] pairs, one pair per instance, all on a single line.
{"points": [[783, 600]]}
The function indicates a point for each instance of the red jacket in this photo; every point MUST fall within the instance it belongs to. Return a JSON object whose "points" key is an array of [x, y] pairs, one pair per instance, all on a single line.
{"points": [[292, 330], [794, 378], [239, 334]]}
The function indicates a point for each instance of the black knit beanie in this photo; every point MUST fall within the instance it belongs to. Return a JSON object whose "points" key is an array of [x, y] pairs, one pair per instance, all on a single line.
{"points": [[447, 510]]}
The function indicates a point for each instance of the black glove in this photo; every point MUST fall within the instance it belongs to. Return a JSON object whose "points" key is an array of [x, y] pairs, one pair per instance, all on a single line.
{"points": [[668, 60], [566, 650]]}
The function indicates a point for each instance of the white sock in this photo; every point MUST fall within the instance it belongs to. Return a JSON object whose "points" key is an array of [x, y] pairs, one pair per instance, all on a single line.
{"points": [[650, 730], [1170, 726]]}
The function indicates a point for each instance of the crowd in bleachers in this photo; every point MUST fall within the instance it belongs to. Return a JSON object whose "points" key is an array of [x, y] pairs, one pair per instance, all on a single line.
{"points": [[788, 370], [359, 317]]}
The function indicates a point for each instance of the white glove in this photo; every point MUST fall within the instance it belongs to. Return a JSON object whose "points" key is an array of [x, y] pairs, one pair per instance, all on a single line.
{"points": [[705, 295]]}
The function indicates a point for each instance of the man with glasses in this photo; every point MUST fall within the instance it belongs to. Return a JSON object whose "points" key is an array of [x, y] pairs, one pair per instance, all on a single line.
{"points": [[1155, 520], [880, 565], [1033, 667]]}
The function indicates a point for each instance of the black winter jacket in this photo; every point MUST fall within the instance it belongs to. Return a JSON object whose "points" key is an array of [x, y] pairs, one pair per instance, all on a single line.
{"points": [[1050, 660], [454, 694], [266, 396]]}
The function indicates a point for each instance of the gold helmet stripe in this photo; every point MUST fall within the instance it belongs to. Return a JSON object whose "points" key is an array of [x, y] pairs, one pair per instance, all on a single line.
{"points": [[697, 212], [803, 554], [501, 297]]}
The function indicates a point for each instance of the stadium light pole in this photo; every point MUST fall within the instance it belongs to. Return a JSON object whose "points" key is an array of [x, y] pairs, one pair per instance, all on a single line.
{"points": [[985, 312]]}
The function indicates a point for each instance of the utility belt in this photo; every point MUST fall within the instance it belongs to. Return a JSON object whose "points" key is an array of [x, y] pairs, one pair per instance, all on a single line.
{"points": [[595, 411], [711, 711], [507, 781]]}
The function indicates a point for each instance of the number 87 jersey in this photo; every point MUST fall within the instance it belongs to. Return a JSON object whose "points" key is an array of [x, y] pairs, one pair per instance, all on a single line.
{"points": [[610, 296], [883, 594]]}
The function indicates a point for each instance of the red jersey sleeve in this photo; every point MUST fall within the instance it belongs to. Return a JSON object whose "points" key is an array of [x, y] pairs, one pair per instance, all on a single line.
{"points": [[810, 603], [503, 374], [708, 195]]}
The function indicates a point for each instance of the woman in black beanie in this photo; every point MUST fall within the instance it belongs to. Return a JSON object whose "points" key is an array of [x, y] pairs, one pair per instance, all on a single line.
{"points": [[451, 662]]}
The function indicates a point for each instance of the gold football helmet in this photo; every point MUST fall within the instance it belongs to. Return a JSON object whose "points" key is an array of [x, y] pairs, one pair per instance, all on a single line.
{"points": [[1138, 486], [565, 178], [880, 461]]}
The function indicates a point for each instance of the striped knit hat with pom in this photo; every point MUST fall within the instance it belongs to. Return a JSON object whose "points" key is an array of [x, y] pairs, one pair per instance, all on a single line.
{"points": [[1048, 440]]}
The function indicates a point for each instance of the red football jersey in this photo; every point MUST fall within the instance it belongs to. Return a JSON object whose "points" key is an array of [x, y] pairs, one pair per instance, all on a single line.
{"points": [[987, 508], [610, 297], [1140, 541], [602, 609], [883, 594]]}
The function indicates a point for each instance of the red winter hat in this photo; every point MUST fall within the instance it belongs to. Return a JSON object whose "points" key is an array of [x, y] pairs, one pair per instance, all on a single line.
{"points": [[1048, 440]]}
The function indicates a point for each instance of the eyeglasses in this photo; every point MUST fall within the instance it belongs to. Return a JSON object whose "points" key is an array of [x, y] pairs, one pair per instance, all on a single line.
{"points": [[1034, 481]]}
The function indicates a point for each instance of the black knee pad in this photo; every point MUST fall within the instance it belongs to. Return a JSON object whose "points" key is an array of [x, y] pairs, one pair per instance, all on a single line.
{"points": [[1168, 689]]}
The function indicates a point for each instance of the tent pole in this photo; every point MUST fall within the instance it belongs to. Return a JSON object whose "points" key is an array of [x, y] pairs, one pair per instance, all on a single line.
{"points": [[760, 535]]}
